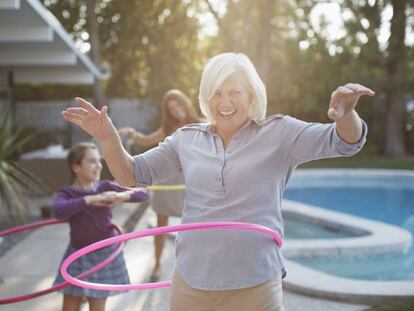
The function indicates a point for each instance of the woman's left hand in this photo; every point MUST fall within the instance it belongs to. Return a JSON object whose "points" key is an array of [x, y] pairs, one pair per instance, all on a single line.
{"points": [[345, 98]]}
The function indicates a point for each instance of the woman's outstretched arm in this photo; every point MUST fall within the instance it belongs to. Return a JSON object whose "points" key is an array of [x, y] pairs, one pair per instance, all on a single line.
{"points": [[98, 124]]}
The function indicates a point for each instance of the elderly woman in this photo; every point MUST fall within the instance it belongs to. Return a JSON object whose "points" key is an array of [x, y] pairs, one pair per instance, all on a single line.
{"points": [[236, 168]]}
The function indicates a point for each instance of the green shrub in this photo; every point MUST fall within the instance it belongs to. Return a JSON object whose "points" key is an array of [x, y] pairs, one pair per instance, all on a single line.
{"points": [[16, 184]]}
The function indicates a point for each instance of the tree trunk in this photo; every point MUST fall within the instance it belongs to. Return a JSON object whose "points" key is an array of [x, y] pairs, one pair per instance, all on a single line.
{"points": [[395, 118], [232, 41], [93, 28]]}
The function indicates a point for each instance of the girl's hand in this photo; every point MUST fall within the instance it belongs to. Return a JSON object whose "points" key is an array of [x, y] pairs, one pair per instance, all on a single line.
{"points": [[345, 98], [104, 199], [124, 196], [116, 197], [95, 199], [108, 198], [96, 123]]}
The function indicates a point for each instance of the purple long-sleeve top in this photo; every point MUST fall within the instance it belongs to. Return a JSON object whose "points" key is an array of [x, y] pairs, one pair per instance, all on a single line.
{"points": [[89, 223]]}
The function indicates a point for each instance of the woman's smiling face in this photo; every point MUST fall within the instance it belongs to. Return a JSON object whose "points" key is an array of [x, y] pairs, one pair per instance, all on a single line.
{"points": [[229, 104]]}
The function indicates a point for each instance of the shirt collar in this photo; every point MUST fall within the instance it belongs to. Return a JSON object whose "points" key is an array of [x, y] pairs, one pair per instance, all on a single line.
{"points": [[208, 127], [261, 122]]}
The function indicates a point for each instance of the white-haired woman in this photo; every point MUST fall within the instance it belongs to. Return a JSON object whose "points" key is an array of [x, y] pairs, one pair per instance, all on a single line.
{"points": [[236, 168]]}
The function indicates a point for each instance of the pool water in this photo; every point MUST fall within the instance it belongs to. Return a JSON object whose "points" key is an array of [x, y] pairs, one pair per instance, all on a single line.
{"points": [[303, 229], [391, 267], [393, 206], [383, 198]]}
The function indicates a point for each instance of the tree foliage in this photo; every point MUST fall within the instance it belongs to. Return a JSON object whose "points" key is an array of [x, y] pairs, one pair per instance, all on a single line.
{"points": [[152, 46], [307, 64]]}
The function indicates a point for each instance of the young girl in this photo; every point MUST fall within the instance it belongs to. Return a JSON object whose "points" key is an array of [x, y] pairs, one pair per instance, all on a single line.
{"points": [[177, 111], [86, 205]]}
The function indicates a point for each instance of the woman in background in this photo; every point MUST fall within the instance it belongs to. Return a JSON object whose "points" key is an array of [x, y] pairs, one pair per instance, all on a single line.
{"points": [[177, 111]]}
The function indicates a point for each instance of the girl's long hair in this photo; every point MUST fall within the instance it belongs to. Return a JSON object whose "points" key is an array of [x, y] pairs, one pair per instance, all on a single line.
{"points": [[168, 123]]}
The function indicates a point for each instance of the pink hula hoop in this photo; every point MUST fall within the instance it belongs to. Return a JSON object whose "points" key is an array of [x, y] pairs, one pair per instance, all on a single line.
{"points": [[63, 284], [150, 232]]}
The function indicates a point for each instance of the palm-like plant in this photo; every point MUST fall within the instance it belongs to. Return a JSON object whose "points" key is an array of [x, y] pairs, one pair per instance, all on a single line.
{"points": [[16, 184]]}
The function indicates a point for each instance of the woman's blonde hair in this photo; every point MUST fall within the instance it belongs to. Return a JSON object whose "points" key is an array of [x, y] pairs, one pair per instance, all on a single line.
{"points": [[218, 69]]}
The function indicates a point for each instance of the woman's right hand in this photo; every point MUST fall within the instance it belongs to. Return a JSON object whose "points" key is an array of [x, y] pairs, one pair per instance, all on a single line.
{"points": [[96, 123], [128, 132]]}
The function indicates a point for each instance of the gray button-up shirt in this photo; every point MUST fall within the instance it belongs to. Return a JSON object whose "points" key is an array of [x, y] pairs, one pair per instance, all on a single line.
{"points": [[244, 183]]}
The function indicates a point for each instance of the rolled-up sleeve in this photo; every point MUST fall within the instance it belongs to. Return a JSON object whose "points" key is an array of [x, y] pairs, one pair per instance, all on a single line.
{"points": [[159, 163], [347, 149], [313, 141]]}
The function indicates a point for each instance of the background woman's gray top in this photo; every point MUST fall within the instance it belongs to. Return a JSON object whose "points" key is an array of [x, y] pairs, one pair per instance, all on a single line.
{"points": [[245, 183]]}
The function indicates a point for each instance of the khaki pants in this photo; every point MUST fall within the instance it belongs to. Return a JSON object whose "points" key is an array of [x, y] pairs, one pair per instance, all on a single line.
{"points": [[263, 297]]}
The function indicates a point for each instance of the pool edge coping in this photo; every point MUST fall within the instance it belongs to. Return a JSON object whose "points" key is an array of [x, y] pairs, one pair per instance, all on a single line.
{"points": [[315, 283]]}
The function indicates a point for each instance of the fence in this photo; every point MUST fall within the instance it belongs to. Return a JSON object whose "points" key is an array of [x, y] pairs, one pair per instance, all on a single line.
{"points": [[46, 118], [46, 115]]}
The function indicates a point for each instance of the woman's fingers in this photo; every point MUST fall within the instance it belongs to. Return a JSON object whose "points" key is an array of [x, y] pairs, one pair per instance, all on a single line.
{"points": [[345, 98], [77, 110], [353, 89], [360, 89], [342, 90], [338, 97], [74, 118], [86, 105]]}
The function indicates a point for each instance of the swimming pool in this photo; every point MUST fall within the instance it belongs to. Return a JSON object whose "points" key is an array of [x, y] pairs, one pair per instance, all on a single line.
{"points": [[386, 196], [307, 229]]}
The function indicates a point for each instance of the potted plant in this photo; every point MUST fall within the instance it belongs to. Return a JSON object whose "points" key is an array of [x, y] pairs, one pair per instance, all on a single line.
{"points": [[16, 184]]}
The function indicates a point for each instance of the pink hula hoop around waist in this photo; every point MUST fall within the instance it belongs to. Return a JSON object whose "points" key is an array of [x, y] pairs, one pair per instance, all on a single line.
{"points": [[150, 232]]}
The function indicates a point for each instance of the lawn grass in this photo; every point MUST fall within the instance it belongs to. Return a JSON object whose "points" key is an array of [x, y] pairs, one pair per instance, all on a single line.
{"points": [[394, 307]]}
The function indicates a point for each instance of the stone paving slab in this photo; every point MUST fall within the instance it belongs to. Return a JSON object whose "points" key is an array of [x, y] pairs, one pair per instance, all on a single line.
{"points": [[32, 264]]}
